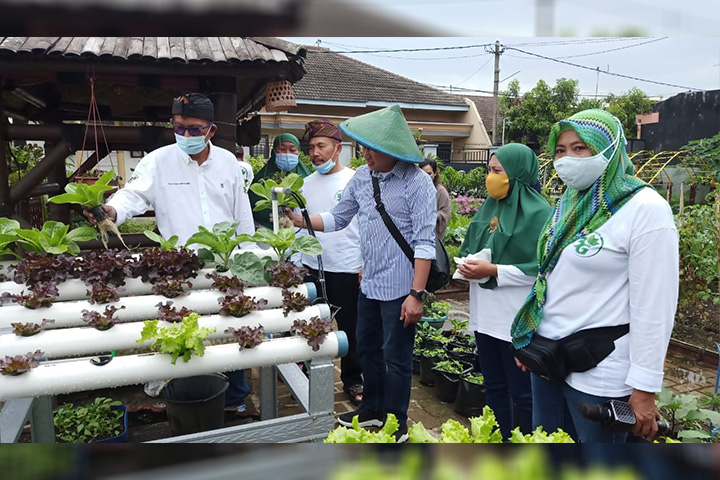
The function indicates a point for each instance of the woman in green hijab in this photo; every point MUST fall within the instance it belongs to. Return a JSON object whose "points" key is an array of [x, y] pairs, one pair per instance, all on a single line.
{"points": [[508, 224], [284, 157]]}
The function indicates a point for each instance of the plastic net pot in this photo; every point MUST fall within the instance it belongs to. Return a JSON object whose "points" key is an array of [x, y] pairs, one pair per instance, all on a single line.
{"points": [[470, 398], [195, 404]]}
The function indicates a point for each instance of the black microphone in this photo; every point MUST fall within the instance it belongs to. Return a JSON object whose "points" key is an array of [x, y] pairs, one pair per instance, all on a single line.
{"points": [[616, 416]]}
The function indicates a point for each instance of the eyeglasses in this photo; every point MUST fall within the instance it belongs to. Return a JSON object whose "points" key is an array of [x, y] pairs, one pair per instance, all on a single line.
{"points": [[194, 130]]}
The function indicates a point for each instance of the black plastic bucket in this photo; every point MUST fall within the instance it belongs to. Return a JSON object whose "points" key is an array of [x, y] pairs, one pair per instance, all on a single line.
{"points": [[470, 398], [195, 404]]}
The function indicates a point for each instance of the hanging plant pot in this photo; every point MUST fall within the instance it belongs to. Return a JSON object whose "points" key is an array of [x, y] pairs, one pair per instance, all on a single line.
{"points": [[436, 323], [446, 383], [470, 398], [427, 377]]}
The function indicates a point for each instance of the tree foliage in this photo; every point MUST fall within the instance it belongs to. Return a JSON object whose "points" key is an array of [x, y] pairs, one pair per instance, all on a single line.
{"points": [[531, 115]]}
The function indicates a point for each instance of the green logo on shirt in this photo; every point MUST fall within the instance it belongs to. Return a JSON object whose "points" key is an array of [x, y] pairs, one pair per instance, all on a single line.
{"points": [[338, 195], [588, 246]]}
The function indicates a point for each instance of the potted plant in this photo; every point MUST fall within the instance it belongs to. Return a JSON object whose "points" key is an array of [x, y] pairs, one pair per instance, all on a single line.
{"points": [[221, 241], [102, 421], [470, 398], [91, 197], [29, 329], [435, 313], [178, 339], [462, 353], [447, 378], [19, 364], [428, 358], [54, 238], [263, 189]]}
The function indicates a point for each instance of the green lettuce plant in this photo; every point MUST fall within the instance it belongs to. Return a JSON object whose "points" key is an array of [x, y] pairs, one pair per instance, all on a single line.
{"points": [[54, 238], [178, 339], [166, 245], [8, 236], [263, 189], [221, 241]]}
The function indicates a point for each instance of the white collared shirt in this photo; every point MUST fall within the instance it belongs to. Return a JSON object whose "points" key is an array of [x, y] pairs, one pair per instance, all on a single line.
{"points": [[185, 194]]}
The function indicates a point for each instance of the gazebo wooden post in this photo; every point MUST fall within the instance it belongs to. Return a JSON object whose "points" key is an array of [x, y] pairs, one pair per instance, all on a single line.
{"points": [[224, 96], [59, 213], [6, 207]]}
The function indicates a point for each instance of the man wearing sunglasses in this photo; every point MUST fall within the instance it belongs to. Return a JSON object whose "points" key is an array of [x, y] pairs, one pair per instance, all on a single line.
{"points": [[189, 183]]}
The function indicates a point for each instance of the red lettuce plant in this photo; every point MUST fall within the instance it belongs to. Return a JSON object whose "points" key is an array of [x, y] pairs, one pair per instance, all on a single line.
{"points": [[284, 274], [107, 266], [314, 331], [229, 284], [247, 337], [155, 264], [42, 295], [104, 293], [170, 287], [239, 305], [102, 321], [168, 313], [20, 363], [29, 329], [293, 302], [44, 267]]}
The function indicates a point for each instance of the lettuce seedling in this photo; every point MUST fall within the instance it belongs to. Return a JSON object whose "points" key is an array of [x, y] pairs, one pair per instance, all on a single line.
{"points": [[18, 364], [229, 284], [29, 329], [284, 242], [285, 275], [44, 267], [170, 287], [221, 241], [168, 313], [42, 294], [179, 339], [247, 337], [239, 305], [293, 302], [263, 189], [107, 266], [104, 293], [155, 263], [314, 331], [102, 321], [8, 236], [167, 245], [91, 197]]}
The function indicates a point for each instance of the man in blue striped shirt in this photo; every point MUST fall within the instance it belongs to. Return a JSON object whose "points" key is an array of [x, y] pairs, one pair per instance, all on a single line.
{"points": [[392, 289]]}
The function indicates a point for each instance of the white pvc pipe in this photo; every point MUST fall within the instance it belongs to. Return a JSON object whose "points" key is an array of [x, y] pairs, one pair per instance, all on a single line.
{"points": [[75, 289], [70, 342], [143, 307], [81, 375]]}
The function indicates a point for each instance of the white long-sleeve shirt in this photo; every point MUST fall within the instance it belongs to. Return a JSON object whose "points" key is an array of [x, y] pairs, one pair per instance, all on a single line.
{"points": [[624, 272], [492, 311], [185, 194]]}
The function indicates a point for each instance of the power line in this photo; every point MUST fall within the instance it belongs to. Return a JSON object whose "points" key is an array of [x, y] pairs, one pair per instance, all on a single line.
{"points": [[571, 42], [615, 49], [395, 50], [602, 71], [476, 71]]}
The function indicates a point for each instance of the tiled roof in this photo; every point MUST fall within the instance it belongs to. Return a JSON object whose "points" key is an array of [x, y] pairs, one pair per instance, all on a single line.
{"points": [[218, 50], [485, 109], [335, 77]]}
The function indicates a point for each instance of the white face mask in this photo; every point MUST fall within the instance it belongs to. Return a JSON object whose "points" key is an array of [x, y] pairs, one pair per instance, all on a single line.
{"points": [[581, 172]]}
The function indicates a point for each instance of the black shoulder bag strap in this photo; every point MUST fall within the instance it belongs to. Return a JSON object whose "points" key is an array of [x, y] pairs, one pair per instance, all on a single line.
{"points": [[404, 246]]}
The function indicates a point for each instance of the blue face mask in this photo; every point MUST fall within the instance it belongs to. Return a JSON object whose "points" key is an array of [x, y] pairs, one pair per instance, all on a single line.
{"points": [[325, 167], [286, 161], [191, 145]]}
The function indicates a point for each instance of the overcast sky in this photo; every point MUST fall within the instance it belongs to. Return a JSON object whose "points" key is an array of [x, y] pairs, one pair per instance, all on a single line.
{"points": [[688, 62]]}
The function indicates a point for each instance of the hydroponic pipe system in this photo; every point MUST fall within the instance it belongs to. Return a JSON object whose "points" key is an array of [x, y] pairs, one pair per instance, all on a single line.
{"points": [[53, 378]]}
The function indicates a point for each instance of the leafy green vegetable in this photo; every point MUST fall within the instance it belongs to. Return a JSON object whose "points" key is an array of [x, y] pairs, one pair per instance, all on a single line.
{"points": [[179, 339], [263, 189], [95, 421], [357, 434], [221, 240], [54, 238], [248, 267], [88, 196], [284, 242], [540, 436], [167, 245], [8, 235]]}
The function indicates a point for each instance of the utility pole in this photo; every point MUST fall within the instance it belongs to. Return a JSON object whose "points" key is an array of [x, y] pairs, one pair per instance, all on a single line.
{"points": [[496, 86]]}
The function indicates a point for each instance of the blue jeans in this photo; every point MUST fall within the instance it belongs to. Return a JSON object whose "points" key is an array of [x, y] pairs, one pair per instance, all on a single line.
{"points": [[237, 390], [507, 387], [555, 405], [384, 349]]}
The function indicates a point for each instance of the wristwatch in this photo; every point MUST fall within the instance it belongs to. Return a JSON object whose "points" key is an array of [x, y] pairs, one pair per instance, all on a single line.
{"points": [[419, 294]]}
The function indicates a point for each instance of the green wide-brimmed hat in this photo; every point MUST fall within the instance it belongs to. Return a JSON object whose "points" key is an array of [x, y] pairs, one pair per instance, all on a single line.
{"points": [[384, 131]]}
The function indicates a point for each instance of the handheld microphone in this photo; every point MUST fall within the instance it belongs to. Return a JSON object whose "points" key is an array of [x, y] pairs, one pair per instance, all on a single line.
{"points": [[616, 416]]}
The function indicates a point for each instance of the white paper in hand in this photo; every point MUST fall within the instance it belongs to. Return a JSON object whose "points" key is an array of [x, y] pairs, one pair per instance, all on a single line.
{"points": [[483, 254]]}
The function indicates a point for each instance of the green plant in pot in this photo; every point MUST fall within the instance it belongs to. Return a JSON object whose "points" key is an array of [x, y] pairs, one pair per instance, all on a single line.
{"points": [[8, 236], [428, 358], [221, 241], [263, 189], [100, 420], [54, 238], [434, 312], [447, 378], [91, 197], [470, 398]]}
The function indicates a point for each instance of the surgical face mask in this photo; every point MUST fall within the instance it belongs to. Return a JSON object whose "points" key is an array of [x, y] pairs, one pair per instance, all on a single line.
{"points": [[191, 145], [498, 185], [325, 167], [286, 161], [581, 172]]}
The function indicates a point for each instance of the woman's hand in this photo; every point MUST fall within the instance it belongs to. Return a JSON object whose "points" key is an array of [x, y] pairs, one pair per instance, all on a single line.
{"points": [[646, 414], [476, 269]]}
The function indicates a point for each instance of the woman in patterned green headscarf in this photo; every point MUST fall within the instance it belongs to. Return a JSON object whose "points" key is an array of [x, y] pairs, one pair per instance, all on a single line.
{"points": [[283, 158], [607, 258], [508, 223]]}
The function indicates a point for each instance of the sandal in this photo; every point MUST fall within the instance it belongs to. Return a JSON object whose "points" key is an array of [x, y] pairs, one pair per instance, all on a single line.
{"points": [[355, 392]]}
